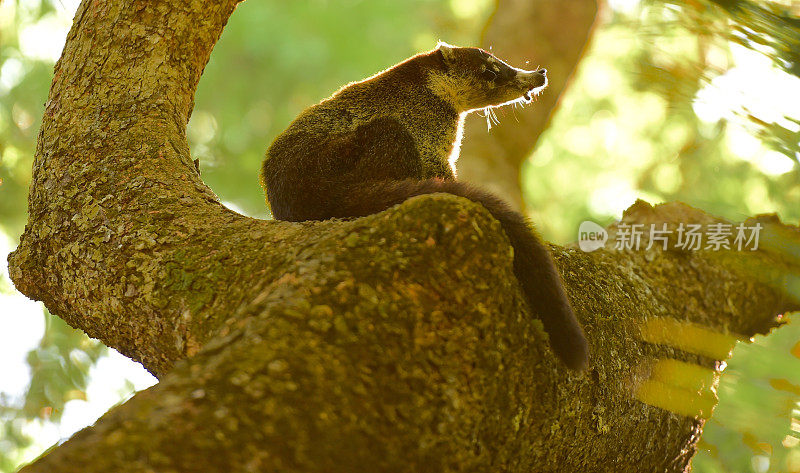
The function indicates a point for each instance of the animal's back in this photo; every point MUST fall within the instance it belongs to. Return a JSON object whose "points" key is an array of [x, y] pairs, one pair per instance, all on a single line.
{"points": [[377, 142], [387, 127], [309, 176]]}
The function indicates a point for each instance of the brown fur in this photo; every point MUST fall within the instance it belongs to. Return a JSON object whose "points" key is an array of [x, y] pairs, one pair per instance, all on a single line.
{"points": [[377, 142]]}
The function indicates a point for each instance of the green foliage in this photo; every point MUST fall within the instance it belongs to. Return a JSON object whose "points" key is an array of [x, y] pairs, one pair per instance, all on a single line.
{"points": [[752, 427], [276, 58], [59, 367], [629, 128], [273, 59], [632, 125], [769, 27], [23, 79]]}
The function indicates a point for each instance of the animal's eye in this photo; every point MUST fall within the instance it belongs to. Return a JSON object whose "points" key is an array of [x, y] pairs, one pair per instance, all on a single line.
{"points": [[488, 75]]}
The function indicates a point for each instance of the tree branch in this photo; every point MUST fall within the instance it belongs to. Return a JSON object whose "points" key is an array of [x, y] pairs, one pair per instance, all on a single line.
{"points": [[123, 238], [522, 30], [395, 342]]}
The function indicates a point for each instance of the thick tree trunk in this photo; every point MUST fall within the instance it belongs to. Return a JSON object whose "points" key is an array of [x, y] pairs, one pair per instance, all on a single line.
{"points": [[396, 342], [550, 34]]}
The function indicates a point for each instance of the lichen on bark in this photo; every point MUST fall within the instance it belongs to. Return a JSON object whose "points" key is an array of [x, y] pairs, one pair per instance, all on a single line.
{"points": [[395, 342]]}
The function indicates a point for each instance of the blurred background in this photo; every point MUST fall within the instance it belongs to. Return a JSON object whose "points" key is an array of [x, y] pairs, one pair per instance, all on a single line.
{"points": [[697, 101]]}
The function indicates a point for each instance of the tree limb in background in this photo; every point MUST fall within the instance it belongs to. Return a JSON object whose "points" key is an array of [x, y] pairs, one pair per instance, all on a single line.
{"points": [[553, 35], [395, 342]]}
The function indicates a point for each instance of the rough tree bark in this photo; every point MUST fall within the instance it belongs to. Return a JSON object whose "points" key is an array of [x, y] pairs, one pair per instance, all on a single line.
{"points": [[549, 34], [396, 342]]}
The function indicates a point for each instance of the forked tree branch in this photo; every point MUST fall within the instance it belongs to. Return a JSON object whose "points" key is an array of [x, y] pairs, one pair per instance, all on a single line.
{"points": [[396, 342]]}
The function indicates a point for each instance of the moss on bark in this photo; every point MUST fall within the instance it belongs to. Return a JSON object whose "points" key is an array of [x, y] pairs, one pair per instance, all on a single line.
{"points": [[396, 342]]}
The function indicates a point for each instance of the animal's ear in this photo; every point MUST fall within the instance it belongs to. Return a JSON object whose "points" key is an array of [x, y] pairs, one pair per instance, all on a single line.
{"points": [[447, 51]]}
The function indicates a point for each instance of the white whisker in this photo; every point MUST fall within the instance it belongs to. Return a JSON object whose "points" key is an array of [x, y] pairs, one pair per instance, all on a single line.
{"points": [[488, 120]]}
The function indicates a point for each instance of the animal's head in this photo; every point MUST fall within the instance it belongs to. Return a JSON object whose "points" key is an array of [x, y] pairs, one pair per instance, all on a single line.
{"points": [[473, 79]]}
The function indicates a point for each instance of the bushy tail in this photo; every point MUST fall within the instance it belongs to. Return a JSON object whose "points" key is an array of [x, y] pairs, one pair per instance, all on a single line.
{"points": [[533, 264]]}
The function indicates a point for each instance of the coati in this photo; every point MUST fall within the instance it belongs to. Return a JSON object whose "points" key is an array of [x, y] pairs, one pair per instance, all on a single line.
{"points": [[375, 143]]}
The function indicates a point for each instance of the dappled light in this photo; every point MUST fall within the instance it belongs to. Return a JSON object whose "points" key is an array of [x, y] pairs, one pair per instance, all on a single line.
{"points": [[696, 102]]}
